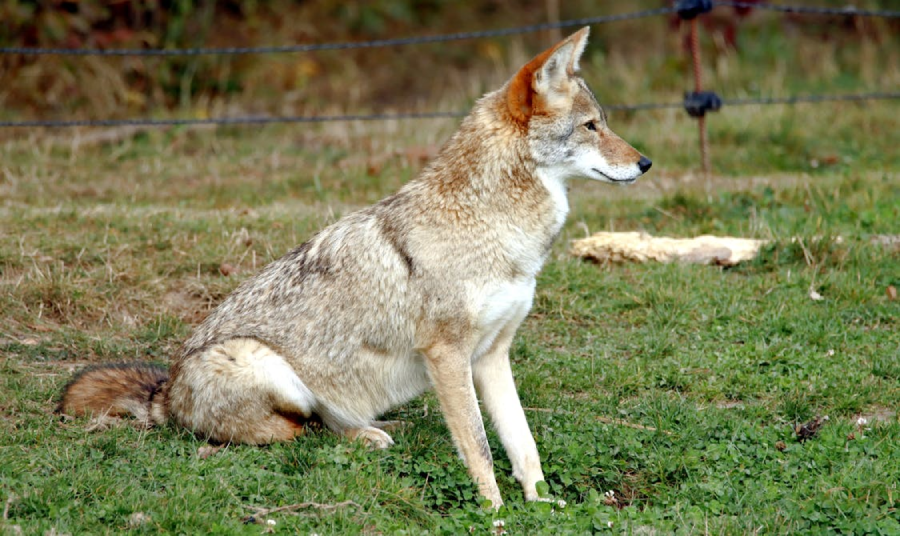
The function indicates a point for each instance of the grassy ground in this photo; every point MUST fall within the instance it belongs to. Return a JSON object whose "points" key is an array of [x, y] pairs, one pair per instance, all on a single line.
{"points": [[663, 398]]}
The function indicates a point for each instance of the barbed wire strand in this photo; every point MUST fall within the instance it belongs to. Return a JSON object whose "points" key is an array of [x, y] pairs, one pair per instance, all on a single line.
{"points": [[458, 36], [225, 121], [799, 99], [265, 120], [849, 10], [351, 45]]}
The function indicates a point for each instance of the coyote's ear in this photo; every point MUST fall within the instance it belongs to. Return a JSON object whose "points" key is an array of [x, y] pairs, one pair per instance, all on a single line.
{"points": [[545, 76]]}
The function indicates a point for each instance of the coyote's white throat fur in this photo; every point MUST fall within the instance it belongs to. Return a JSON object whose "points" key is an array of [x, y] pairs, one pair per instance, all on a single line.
{"points": [[423, 290]]}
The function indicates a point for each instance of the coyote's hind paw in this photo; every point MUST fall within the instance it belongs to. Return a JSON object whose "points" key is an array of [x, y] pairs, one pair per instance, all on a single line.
{"points": [[373, 437], [389, 426], [102, 423]]}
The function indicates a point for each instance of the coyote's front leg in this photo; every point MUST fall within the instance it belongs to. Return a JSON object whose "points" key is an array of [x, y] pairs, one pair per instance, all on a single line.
{"points": [[497, 389], [451, 372]]}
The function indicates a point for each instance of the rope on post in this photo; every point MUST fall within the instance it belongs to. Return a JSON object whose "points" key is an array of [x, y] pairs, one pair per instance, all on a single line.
{"points": [[690, 10]]}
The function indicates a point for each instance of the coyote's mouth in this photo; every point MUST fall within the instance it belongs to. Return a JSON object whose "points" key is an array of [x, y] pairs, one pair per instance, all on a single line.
{"points": [[611, 179]]}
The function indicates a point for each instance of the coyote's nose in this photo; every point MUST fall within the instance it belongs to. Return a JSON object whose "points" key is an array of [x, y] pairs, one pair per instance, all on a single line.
{"points": [[644, 163]]}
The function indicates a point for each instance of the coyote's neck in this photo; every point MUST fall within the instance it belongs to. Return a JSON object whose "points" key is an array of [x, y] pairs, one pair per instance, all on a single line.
{"points": [[487, 165], [486, 183]]}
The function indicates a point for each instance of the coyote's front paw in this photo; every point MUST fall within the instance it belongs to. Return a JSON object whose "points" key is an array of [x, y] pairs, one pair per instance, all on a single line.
{"points": [[545, 497], [539, 491], [373, 437], [492, 494]]}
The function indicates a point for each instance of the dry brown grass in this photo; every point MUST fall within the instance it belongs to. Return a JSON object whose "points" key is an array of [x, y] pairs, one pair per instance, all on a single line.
{"points": [[633, 61]]}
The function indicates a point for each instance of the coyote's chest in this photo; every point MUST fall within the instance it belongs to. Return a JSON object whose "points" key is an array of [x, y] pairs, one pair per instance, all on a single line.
{"points": [[504, 304], [558, 196], [502, 309]]}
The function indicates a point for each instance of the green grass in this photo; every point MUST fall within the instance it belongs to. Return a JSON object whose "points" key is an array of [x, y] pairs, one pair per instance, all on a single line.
{"points": [[676, 388]]}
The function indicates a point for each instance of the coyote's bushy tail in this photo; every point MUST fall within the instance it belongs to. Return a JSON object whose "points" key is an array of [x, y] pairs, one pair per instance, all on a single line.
{"points": [[118, 390]]}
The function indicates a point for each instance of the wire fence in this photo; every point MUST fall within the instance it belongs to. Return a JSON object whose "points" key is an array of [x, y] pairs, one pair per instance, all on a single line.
{"points": [[351, 45], [269, 120], [443, 38], [686, 9], [849, 10]]}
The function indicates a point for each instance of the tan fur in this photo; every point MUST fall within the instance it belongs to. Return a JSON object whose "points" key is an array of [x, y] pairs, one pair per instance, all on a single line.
{"points": [[424, 289]]}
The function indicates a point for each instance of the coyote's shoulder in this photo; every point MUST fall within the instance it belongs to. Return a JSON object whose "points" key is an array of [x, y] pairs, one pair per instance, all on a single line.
{"points": [[423, 289]]}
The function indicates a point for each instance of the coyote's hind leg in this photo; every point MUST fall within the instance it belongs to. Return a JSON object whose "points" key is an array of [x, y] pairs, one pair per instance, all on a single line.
{"points": [[241, 391]]}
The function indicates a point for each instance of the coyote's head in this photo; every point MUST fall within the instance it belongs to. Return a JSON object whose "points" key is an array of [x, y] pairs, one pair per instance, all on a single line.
{"points": [[566, 128]]}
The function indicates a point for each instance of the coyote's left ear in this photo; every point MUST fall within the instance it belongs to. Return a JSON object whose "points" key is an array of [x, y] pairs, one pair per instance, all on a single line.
{"points": [[544, 80]]}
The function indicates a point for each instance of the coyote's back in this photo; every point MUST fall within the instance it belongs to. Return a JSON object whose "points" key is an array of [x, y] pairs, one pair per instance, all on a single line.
{"points": [[423, 289]]}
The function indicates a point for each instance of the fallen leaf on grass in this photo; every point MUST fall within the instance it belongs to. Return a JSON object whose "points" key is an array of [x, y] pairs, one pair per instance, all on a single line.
{"points": [[9, 501], [636, 426], [227, 269], [887, 241], [137, 519], [207, 451], [261, 513], [605, 420], [810, 429], [892, 292], [609, 498]]}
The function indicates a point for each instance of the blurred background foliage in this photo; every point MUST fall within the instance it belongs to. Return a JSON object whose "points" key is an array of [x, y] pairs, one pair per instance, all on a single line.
{"points": [[644, 58]]}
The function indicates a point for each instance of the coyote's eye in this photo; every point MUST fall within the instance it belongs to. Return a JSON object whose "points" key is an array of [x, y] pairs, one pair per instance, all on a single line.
{"points": [[590, 126]]}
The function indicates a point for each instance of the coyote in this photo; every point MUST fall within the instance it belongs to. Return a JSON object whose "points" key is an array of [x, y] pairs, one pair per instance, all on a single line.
{"points": [[424, 289]]}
